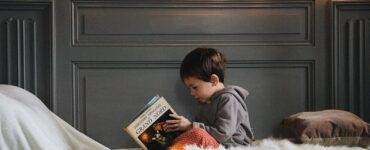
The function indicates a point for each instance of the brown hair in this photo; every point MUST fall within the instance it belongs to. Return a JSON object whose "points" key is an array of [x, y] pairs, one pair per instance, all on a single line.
{"points": [[202, 63]]}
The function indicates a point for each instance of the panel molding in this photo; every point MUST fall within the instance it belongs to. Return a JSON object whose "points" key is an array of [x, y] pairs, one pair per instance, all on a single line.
{"points": [[79, 82], [81, 38], [18, 5], [22, 63], [348, 51], [22, 50]]}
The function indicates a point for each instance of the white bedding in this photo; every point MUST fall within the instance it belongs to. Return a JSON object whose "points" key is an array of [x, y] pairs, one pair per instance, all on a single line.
{"points": [[27, 124], [273, 144]]}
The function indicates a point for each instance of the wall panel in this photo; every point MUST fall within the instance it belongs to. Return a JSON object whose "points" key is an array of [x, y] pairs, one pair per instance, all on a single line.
{"points": [[112, 56], [351, 55], [102, 91], [25, 47], [222, 23]]}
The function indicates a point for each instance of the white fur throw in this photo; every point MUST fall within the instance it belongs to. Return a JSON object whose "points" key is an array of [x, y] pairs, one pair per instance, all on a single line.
{"points": [[272, 144]]}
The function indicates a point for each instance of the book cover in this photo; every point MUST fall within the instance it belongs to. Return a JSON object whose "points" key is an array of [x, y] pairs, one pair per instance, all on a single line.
{"points": [[147, 127]]}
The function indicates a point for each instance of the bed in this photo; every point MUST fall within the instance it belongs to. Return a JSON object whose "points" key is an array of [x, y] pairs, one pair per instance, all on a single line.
{"points": [[26, 123], [275, 144]]}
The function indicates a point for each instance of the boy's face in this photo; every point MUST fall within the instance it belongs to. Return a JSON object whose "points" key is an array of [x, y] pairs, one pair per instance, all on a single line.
{"points": [[199, 89]]}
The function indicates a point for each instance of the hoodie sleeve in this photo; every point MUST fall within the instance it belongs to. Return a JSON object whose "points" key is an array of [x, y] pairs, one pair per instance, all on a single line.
{"points": [[225, 123]]}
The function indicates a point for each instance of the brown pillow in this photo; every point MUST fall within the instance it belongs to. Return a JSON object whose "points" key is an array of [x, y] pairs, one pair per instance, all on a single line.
{"points": [[327, 127]]}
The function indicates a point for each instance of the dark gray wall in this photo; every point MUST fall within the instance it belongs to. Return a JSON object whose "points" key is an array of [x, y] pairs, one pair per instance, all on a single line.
{"points": [[116, 55], [351, 57], [25, 46], [109, 57]]}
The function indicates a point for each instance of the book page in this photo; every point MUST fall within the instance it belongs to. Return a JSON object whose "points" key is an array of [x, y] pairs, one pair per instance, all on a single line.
{"points": [[147, 129]]}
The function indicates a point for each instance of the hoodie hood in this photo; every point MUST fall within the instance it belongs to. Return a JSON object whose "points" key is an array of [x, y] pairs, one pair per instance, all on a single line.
{"points": [[225, 102], [240, 94]]}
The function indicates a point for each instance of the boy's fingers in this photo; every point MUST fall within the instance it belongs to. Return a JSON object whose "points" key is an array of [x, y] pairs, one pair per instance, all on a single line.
{"points": [[171, 130], [172, 121], [175, 116], [171, 126]]}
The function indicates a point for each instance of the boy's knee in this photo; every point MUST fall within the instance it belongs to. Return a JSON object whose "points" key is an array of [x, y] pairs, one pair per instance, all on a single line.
{"points": [[199, 132], [203, 137], [195, 136]]}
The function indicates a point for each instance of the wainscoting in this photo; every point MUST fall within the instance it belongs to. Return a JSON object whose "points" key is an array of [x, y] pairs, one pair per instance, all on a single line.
{"points": [[95, 63]]}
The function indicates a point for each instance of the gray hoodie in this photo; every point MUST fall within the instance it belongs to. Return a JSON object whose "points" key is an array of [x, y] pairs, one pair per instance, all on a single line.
{"points": [[226, 117]]}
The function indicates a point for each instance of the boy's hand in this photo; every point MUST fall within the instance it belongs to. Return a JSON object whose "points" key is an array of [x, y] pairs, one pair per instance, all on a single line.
{"points": [[180, 123]]}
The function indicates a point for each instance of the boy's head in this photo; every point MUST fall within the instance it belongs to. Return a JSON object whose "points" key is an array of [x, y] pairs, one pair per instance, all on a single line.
{"points": [[203, 70], [201, 63]]}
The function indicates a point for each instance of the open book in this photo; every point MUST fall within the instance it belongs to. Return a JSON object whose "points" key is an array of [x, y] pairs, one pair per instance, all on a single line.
{"points": [[147, 127]]}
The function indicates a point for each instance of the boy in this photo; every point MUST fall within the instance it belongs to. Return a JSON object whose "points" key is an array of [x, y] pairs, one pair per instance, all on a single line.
{"points": [[223, 113]]}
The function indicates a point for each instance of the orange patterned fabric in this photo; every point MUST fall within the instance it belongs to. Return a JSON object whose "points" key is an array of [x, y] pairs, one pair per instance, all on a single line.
{"points": [[194, 136]]}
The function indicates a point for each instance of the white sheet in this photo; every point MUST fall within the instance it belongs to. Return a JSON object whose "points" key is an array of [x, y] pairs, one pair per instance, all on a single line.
{"points": [[27, 124], [276, 144]]}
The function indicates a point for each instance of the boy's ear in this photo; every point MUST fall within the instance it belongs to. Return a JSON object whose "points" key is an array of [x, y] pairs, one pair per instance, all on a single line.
{"points": [[214, 79]]}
